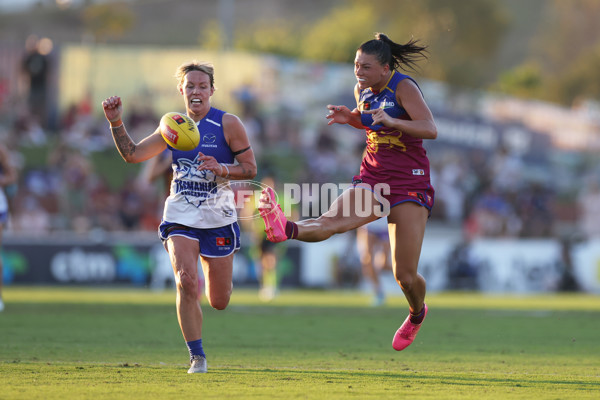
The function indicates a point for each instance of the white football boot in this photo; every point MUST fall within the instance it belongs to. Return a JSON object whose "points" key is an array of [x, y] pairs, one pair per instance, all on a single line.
{"points": [[198, 365]]}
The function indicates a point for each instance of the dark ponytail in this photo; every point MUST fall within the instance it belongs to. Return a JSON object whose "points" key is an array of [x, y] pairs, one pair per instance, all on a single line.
{"points": [[393, 54]]}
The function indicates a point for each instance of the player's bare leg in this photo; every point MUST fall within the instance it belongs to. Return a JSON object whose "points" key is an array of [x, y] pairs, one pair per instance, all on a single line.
{"points": [[184, 253], [353, 208], [218, 274], [366, 242], [407, 229]]}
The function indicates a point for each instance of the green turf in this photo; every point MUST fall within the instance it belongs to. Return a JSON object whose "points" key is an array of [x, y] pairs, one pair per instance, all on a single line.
{"points": [[113, 344]]}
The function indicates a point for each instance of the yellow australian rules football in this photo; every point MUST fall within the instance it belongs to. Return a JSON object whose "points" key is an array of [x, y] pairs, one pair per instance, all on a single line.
{"points": [[179, 131]]}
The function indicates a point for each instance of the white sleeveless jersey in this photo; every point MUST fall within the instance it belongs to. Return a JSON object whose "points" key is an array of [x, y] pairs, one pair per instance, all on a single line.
{"points": [[200, 199]]}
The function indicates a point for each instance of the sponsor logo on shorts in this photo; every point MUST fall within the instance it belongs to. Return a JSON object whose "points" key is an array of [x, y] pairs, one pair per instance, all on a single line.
{"points": [[223, 241], [418, 172], [419, 196]]}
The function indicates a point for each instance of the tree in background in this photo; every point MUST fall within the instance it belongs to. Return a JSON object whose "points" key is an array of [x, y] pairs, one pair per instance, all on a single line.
{"points": [[564, 59], [108, 20], [462, 36], [337, 35], [543, 49]]}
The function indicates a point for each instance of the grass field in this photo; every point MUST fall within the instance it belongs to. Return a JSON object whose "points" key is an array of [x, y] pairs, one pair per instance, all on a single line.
{"points": [[122, 344]]}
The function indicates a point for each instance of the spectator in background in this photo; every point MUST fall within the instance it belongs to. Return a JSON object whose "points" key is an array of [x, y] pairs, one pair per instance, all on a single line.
{"points": [[568, 281], [77, 175], [8, 176], [32, 218], [250, 116], [323, 158], [103, 205], [36, 67], [27, 130], [268, 254], [450, 189], [492, 215], [265, 255], [507, 170], [131, 206], [535, 209], [589, 209], [463, 269], [373, 245]]}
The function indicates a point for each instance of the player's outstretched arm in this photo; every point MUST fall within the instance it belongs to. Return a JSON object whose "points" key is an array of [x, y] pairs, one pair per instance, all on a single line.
{"points": [[129, 150]]}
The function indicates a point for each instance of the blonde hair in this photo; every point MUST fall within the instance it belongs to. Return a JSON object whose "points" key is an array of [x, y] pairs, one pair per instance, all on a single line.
{"points": [[184, 68]]}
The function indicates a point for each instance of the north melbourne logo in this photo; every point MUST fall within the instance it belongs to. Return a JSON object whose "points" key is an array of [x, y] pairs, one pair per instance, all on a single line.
{"points": [[196, 186]]}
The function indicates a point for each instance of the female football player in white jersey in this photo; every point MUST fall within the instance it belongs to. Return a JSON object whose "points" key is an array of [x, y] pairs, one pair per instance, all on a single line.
{"points": [[199, 218]]}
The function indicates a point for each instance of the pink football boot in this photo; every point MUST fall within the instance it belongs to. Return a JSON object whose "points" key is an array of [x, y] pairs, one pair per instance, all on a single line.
{"points": [[406, 333], [273, 217]]}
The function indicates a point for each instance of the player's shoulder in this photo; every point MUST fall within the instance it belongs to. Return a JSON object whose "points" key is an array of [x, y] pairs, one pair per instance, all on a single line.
{"points": [[407, 85], [231, 120], [233, 126]]}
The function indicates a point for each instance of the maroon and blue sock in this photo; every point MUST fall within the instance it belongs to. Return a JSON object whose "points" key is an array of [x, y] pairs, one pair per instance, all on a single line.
{"points": [[195, 348], [291, 230], [418, 317]]}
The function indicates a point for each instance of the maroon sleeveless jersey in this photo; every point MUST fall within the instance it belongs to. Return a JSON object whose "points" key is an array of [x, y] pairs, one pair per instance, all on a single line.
{"points": [[391, 156]]}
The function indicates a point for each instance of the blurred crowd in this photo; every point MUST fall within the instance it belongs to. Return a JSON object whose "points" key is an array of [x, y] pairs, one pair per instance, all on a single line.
{"points": [[67, 167], [489, 195]]}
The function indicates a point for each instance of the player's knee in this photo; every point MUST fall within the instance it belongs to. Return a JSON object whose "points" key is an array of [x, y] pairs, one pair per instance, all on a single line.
{"points": [[187, 285], [219, 302], [218, 297], [405, 279]]}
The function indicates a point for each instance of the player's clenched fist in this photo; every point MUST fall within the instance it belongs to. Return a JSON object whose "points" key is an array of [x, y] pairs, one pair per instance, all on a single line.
{"points": [[113, 108]]}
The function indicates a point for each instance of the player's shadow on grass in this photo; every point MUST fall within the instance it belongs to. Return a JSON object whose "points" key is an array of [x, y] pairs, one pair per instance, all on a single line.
{"points": [[474, 379]]}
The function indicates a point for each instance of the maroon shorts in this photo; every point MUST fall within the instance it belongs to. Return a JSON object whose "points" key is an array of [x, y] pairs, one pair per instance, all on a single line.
{"points": [[424, 197]]}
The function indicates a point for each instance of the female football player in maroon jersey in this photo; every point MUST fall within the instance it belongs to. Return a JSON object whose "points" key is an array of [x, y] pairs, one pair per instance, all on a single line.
{"points": [[394, 174]]}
